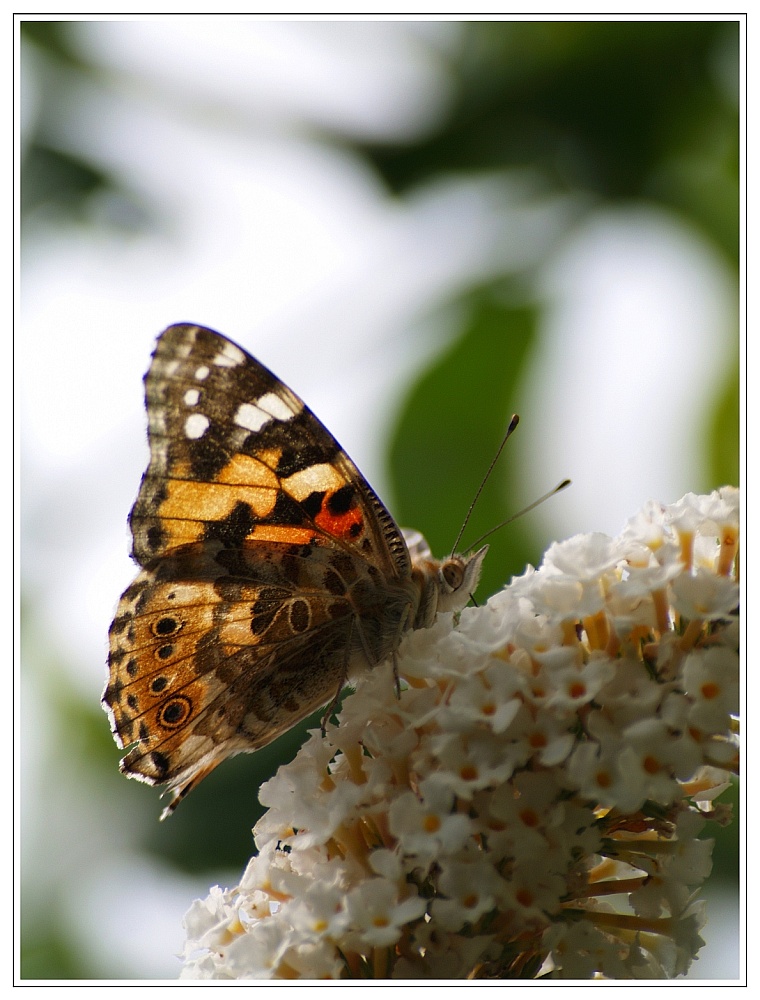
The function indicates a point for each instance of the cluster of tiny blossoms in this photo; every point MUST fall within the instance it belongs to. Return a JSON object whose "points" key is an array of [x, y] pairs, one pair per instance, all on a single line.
{"points": [[530, 805]]}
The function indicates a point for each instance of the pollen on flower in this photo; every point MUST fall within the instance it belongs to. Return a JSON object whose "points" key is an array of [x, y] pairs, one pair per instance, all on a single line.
{"points": [[524, 897], [728, 549], [530, 803], [530, 817], [651, 765]]}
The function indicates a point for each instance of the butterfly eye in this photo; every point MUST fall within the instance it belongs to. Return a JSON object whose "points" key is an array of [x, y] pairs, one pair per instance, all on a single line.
{"points": [[452, 572]]}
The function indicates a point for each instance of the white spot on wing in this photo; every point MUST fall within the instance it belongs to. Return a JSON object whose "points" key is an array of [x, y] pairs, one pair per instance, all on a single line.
{"points": [[229, 357], [191, 397], [202, 372], [275, 406], [251, 417], [196, 425], [184, 346]]}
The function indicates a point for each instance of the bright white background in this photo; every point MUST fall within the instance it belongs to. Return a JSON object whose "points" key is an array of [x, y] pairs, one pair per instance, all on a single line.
{"points": [[294, 249]]}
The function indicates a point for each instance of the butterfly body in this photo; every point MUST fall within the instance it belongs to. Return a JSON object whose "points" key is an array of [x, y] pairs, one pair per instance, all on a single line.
{"points": [[271, 572]]}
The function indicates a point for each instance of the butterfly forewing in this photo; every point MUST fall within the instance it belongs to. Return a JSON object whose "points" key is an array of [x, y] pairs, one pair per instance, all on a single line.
{"points": [[236, 457]]}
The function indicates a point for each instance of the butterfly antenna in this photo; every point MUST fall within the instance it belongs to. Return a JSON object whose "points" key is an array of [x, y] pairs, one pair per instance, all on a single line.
{"points": [[557, 489], [512, 425]]}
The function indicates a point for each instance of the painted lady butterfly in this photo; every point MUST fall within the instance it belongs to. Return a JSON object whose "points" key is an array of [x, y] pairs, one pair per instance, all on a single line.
{"points": [[271, 572]]}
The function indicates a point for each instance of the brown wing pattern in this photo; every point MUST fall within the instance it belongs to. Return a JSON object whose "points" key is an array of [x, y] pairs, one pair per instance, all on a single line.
{"points": [[271, 569]]}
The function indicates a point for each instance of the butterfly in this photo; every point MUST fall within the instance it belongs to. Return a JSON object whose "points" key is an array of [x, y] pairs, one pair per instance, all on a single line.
{"points": [[271, 573]]}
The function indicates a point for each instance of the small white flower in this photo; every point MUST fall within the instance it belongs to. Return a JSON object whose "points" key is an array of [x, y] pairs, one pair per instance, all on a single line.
{"points": [[377, 914], [593, 770], [468, 888], [632, 595], [492, 697], [319, 912], [646, 760], [648, 527], [579, 950], [258, 952], [465, 763], [709, 514], [534, 893], [573, 680], [208, 921], [584, 557], [687, 514], [711, 679], [705, 595], [428, 827]]}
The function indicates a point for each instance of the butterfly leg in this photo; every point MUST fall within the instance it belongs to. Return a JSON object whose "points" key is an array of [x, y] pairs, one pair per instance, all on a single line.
{"points": [[396, 680], [332, 706]]}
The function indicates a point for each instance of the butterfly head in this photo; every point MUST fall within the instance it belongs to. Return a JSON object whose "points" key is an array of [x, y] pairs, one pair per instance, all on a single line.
{"points": [[458, 579], [446, 584]]}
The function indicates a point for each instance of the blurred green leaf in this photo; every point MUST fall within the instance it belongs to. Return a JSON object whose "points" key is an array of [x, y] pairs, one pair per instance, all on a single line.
{"points": [[625, 109], [723, 435], [55, 175], [50, 176], [726, 851], [55, 38], [702, 183], [74, 188], [450, 428], [46, 954]]}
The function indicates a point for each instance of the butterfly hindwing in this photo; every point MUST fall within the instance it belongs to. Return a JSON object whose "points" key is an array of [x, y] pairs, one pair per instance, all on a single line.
{"points": [[218, 652]]}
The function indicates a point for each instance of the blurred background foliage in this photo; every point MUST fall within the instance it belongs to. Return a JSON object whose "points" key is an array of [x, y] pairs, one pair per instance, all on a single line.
{"points": [[610, 111]]}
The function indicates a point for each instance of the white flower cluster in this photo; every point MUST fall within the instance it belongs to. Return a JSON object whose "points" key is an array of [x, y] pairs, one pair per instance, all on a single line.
{"points": [[552, 752]]}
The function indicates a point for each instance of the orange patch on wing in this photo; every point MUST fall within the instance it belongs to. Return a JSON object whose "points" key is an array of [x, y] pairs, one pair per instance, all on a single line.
{"points": [[281, 533], [180, 532], [193, 501], [270, 457], [346, 525], [245, 470]]}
